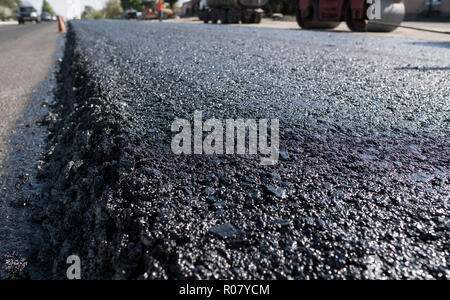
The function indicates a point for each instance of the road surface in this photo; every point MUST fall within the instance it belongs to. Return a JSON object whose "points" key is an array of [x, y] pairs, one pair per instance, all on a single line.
{"points": [[289, 23], [26, 59], [361, 190]]}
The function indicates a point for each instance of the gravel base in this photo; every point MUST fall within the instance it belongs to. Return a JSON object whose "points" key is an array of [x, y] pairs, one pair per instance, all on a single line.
{"points": [[361, 192]]}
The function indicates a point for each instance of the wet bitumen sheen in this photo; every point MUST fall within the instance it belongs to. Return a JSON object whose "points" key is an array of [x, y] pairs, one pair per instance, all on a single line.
{"points": [[361, 190]]}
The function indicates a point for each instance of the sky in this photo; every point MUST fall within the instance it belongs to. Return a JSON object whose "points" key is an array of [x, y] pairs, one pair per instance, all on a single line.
{"points": [[71, 8], [68, 8]]}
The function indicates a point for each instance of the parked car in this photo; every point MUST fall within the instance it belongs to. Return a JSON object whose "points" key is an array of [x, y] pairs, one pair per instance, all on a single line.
{"points": [[153, 15], [130, 14], [46, 17], [28, 14]]}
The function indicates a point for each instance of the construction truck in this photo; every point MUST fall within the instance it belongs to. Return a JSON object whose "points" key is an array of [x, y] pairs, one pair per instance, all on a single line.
{"points": [[231, 11], [360, 15]]}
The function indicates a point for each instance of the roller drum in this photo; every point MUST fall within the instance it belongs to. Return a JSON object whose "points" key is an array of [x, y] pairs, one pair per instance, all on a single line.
{"points": [[392, 12]]}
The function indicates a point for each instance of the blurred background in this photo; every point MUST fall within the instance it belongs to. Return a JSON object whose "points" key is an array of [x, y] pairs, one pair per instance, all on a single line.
{"points": [[100, 9]]}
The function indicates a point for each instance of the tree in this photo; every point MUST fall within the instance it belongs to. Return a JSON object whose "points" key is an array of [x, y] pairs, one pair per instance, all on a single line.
{"points": [[113, 9], [135, 4], [5, 13], [90, 13], [12, 4], [9, 8], [171, 3], [88, 10], [46, 7]]}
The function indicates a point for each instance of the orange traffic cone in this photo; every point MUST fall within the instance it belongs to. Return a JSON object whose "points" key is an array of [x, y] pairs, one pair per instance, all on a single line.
{"points": [[61, 25]]}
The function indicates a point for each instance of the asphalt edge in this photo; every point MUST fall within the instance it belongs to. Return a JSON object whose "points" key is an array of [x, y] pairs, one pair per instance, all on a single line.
{"points": [[84, 147]]}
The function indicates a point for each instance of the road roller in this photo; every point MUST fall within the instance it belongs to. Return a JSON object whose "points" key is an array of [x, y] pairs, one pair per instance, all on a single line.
{"points": [[232, 11], [360, 15]]}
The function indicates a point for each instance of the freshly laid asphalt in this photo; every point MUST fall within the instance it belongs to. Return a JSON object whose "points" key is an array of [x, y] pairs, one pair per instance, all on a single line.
{"points": [[361, 190]]}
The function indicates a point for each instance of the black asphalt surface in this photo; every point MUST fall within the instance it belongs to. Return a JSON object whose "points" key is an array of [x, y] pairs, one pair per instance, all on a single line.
{"points": [[361, 190]]}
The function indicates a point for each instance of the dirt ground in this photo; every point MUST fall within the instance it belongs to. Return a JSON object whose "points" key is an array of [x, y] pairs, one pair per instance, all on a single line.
{"points": [[398, 33]]}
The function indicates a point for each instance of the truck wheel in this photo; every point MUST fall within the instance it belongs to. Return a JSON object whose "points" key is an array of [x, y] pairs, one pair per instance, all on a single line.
{"points": [[214, 16], [233, 16], [201, 15], [306, 22], [205, 16], [252, 19], [355, 25], [245, 17], [312, 20], [224, 16], [258, 18]]}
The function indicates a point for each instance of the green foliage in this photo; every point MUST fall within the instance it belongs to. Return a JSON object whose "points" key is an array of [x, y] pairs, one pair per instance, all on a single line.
{"points": [[90, 13], [136, 4], [5, 13], [171, 3], [8, 9], [46, 7], [113, 9], [11, 4]]}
